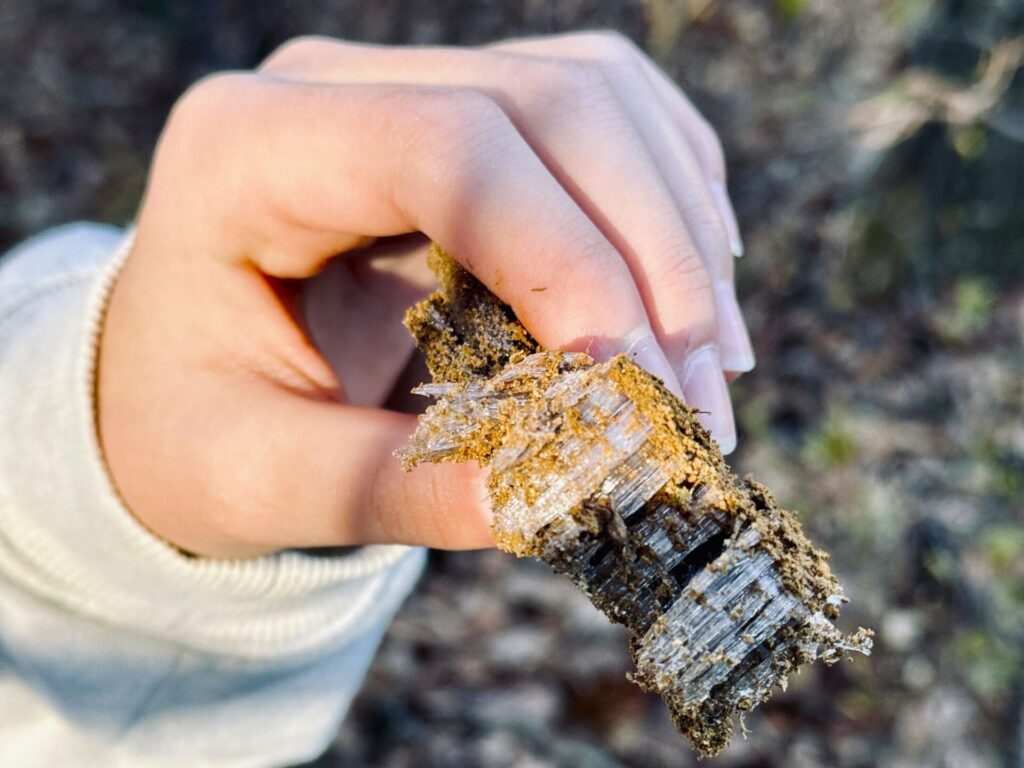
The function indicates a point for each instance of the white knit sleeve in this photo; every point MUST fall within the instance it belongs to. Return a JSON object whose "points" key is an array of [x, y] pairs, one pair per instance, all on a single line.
{"points": [[68, 543]]}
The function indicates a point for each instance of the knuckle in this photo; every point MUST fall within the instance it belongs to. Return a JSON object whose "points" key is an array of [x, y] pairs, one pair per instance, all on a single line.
{"points": [[422, 511], [611, 45], [704, 219], [296, 51], [679, 266], [202, 137], [196, 120], [598, 261], [560, 91], [581, 256], [545, 85], [692, 272], [455, 122], [449, 139], [206, 99], [591, 263], [570, 78], [460, 490]]}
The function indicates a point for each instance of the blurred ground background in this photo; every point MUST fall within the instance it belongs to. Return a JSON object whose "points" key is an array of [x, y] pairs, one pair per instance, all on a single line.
{"points": [[876, 157]]}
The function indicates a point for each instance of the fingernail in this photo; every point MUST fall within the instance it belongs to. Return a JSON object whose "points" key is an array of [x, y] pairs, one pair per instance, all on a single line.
{"points": [[725, 210], [734, 346], [704, 388], [642, 348]]}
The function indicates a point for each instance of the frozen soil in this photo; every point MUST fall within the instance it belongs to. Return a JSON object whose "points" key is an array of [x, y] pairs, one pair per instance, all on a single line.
{"points": [[600, 471]]}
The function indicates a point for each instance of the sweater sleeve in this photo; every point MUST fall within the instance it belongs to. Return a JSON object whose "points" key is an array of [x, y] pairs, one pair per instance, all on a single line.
{"points": [[146, 654]]}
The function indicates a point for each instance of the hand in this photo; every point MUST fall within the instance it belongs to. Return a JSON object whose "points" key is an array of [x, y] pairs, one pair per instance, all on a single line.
{"points": [[252, 337]]}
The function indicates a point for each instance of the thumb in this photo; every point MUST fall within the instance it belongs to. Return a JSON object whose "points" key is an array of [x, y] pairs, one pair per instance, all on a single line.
{"points": [[328, 476]]}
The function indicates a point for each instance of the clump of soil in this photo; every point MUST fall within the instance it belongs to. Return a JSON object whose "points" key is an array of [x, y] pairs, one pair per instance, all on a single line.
{"points": [[603, 473], [465, 331]]}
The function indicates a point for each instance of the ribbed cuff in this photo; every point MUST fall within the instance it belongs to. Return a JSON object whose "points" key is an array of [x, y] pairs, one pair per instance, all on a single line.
{"points": [[67, 537]]}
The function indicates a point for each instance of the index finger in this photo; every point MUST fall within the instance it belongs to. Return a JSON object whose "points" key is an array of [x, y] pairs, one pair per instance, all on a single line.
{"points": [[315, 167]]}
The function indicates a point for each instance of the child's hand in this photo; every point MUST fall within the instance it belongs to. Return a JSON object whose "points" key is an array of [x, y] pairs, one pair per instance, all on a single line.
{"points": [[566, 173]]}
